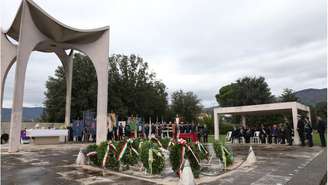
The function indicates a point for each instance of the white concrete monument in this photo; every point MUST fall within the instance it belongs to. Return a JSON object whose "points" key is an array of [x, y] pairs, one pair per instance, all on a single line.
{"points": [[35, 30]]}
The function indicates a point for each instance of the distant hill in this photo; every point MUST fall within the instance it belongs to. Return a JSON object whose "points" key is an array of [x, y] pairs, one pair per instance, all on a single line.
{"points": [[29, 114], [312, 96]]}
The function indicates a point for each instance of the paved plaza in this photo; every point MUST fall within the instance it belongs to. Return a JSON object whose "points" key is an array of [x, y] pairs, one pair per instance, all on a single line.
{"points": [[54, 164]]}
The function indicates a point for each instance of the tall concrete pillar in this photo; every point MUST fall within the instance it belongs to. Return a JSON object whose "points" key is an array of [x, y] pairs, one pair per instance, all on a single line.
{"points": [[99, 58], [295, 120], [216, 126], [69, 76], [8, 57], [67, 61], [29, 37]]}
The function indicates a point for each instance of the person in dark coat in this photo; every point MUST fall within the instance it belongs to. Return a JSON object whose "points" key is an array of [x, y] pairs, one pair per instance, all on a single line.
{"points": [[120, 132], [263, 134], [308, 132], [321, 130], [274, 133], [248, 135], [282, 134], [269, 134], [289, 135], [146, 130], [300, 130], [205, 134], [234, 134], [127, 131]]}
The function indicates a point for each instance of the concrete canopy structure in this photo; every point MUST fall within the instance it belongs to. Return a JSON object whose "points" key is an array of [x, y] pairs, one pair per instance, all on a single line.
{"points": [[35, 30], [271, 108]]}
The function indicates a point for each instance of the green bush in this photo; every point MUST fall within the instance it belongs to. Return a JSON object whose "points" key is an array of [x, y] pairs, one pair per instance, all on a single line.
{"points": [[158, 163], [175, 153], [228, 154], [225, 127]]}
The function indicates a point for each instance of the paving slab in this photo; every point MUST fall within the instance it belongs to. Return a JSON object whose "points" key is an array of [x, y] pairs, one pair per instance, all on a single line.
{"points": [[54, 164]]}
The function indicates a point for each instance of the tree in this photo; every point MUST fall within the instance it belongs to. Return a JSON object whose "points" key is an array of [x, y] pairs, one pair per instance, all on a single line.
{"points": [[321, 110], [288, 95], [132, 89], [186, 105], [84, 91], [245, 91]]}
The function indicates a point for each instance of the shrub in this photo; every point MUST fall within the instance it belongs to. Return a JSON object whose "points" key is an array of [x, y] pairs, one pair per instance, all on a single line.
{"points": [[221, 149], [175, 153], [158, 163]]}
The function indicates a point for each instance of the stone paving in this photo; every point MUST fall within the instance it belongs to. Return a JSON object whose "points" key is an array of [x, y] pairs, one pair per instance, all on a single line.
{"points": [[54, 164], [276, 165]]}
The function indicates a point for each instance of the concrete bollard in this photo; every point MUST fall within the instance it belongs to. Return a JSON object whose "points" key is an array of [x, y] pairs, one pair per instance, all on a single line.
{"points": [[187, 177], [81, 159]]}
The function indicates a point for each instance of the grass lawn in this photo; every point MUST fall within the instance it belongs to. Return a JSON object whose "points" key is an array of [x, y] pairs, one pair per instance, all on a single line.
{"points": [[316, 138]]}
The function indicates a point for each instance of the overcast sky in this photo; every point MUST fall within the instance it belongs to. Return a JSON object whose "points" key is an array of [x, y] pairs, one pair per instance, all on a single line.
{"points": [[196, 46]]}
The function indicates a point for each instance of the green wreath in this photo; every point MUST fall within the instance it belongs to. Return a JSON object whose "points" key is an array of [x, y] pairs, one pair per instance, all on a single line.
{"points": [[165, 142], [94, 158], [151, 157], [130, 157], [111, 163], [224, 153], [175, 153]]}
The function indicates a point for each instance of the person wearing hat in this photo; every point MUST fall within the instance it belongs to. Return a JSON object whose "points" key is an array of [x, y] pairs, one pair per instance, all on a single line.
{"points": [[300, 129]]}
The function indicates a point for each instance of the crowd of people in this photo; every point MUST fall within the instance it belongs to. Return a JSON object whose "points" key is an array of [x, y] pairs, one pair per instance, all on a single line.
{"points": [[278, 134], [158, 130], [281, 133]]}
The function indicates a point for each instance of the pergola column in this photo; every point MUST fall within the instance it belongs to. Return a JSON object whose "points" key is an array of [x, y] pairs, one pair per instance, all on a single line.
{"points": [[216, 126], [295, 120], [243, 121]]}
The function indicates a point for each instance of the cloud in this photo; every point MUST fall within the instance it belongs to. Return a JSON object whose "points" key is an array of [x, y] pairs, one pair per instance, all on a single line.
{"points": [[200, 46]]}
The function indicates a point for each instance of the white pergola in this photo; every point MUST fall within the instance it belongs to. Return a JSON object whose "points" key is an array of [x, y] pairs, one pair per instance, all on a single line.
{"points": [[271, 108], [35, 30]]}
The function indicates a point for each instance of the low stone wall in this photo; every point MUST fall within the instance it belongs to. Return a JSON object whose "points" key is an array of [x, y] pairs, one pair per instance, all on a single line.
{"points": [[5, 126]]}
